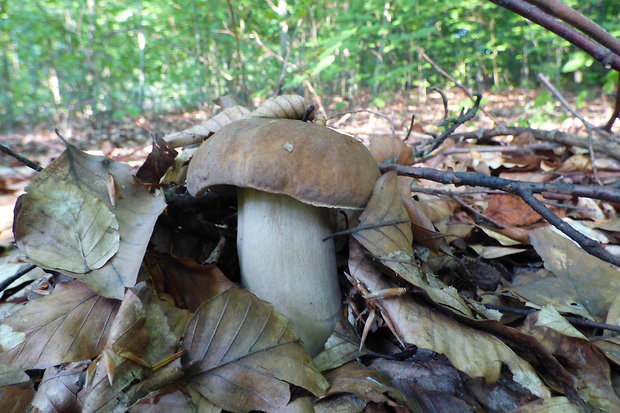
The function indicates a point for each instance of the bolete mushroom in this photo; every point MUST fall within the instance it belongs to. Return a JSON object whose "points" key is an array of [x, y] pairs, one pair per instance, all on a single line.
{"points": [[288, 173]]}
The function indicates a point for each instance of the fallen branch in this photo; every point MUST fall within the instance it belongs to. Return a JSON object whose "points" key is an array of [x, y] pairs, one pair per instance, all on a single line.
{"points": [[608, 147], [526, 191]]}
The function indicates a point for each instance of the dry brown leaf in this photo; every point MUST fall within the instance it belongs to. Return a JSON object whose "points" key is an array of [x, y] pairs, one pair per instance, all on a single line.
{"points": [[341, 348], [581, 358], [189, 283], [474, 352], [174, 399], [582, 284], [385, 207], [243, 354], [70, 324], [511, 211], [367, 384], [136, 211], [386, 148], [9, 376], [58, 389], [283, 107], [148, 329], [198, 133], [552, 405], [157, 162], [16, 398]]}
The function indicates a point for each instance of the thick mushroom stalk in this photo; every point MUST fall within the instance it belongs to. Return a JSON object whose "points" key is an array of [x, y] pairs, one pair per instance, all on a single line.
{"points": [[289, 174], [285, 260]]}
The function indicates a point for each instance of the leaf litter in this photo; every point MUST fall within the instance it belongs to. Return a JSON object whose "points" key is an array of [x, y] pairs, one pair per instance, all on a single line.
{"points": [[129, 322]]}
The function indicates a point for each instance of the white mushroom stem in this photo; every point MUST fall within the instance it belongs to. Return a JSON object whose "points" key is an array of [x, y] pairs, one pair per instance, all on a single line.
{"points": [[285, 261]]}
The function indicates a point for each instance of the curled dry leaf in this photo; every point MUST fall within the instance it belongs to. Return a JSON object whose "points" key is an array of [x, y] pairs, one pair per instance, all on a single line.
{"points": [[243, 354], [70, 324], [16, 398], [387, 148], [66, 221], [474, 352], [198, 133], [157, 162], [283, 107]]}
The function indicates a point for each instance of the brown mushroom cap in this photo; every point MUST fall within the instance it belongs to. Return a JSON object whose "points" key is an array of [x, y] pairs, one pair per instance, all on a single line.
{"points": [[308, 162]]}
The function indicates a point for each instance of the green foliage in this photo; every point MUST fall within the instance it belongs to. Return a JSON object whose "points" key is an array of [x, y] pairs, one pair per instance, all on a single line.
{"points": [[123, 57]]}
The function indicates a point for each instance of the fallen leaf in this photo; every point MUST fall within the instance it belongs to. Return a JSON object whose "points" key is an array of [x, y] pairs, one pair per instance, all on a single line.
{"points": [[495, 252], [86, 241], [581, 358], [367, 384], [558, 404], [9, 376], [61, 227], [474, 352], [581, 283], [511, 211], [145, 331], [157, 162], [16, 398], [198, 133], [71, 324], [385, 207], [58, 389], [243, 354]]}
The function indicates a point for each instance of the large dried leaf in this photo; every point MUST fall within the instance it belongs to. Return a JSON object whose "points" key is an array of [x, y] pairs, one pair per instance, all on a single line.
{"points": [[392, 244], [71, 324], [582, 284], [244, 354], [16, 399], [59, 387], [10, 376], [385, 207], [109, 191], [387, 148], [146, 328], [198, 133], [175, 399], [62, 227], [283, 107], [510, 210], [474, 352], [582, 358]]}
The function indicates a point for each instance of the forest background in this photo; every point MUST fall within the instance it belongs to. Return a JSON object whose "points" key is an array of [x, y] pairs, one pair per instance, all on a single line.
{"points": [[63, 59]]}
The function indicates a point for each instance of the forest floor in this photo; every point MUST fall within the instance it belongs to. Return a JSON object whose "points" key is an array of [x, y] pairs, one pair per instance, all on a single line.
{"points": [[127, 139]]}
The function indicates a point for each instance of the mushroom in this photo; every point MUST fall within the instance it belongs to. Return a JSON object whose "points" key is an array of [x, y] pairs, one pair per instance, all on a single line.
{"points": [[288, 174]]}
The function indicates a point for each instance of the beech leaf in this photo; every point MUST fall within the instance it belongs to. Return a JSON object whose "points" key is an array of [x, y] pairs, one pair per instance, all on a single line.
{"points": [[70, 324], [244, 354], [99, 217]]}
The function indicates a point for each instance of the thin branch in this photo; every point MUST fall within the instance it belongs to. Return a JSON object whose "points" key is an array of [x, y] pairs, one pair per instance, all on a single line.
{"points": [[616, 114], [571, 16], [20, 158], [609, 147], [453, 124], [590, 127], [444, 98], [578, 322], [445, 74], [525, 191], [536, 15]]}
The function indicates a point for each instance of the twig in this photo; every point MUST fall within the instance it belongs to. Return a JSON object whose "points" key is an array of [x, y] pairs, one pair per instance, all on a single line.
{"points": [[536, 15], [578, 322], [609, 147], [590, 127], [616, 114], [389, 119], [20, 158], [456, 198], [544, 146], [453, 124], [571, 16], [525, 191], [445, 74], [410, 127], [444, 98]]}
